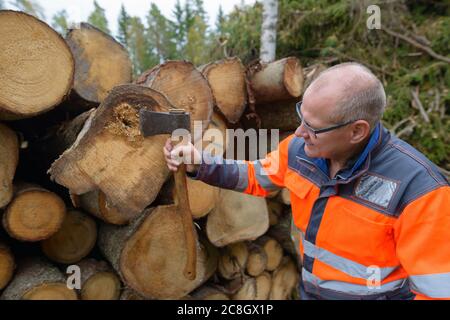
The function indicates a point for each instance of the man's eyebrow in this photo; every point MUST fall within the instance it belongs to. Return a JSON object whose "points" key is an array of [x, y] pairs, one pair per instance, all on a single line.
{"points": [[307, 123]]}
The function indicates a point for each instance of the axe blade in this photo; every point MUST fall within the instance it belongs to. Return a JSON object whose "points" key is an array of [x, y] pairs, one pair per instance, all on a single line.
{"points": [[152, 122]]}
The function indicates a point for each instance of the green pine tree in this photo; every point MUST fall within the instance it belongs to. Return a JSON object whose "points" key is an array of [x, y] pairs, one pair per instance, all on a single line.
{"points": [[124, 27], [179, 25], [98, 18], [140, 49], [31, 7], [60, 22], [160, 33], [196, 48], [220, 21]]}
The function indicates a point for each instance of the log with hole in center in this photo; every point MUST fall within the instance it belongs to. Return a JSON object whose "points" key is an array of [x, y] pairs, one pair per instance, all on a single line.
{"points": [[34, 214], [111, 155], [37, 66]]}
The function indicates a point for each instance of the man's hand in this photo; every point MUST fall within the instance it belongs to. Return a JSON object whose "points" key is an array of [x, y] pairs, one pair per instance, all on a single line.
{"points": [[175, 155]]}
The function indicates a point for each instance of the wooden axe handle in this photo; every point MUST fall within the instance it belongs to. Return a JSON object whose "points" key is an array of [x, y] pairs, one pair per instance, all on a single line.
{"points": [[183, 208]]}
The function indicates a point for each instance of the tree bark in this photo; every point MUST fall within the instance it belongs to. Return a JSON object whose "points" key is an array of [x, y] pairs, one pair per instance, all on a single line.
{"points": [[269, 30], [36, 279], [98, 281], [101, 63], [37, 66], [277, 81], [9, 159], [227, 79], [34, 214], [73, 241], [279, 115], [111, 155], [150, 254], [237, 217]]}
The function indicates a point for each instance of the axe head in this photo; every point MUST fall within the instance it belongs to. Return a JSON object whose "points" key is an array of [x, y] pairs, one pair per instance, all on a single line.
{"points": [[152, 122]]}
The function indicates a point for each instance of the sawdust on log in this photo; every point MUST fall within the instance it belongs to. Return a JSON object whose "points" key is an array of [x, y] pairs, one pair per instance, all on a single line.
{"points": [[126, 124]]}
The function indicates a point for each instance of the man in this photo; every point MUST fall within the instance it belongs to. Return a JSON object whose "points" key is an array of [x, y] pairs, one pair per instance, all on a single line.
{"points": [[373, 213]]}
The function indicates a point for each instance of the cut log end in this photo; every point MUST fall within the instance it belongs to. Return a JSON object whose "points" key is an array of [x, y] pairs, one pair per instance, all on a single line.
{"points": [[226, 224], [101, 286], [293, 77], [73, 241], [50, 291], [37, 64], [102, 63], [34, 215], [202, 197], [227, 76], [7, 265]]}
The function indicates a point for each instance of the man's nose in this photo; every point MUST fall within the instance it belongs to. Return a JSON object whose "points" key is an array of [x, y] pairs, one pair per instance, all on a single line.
{"points": [[301, 132]]}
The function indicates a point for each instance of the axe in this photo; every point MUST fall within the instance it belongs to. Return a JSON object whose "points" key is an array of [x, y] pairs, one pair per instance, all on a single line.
{"points": [[153, 123]]}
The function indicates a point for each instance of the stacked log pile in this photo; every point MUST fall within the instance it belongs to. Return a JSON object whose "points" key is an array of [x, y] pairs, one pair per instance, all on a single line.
{"points": [[80, 186]]}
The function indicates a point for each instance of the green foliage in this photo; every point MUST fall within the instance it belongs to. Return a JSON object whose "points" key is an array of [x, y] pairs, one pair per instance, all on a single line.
{"points": [[160, 34], [139, 47], [124, 26], [31, 7], [240, 34], [60, 22], [98, 19]]}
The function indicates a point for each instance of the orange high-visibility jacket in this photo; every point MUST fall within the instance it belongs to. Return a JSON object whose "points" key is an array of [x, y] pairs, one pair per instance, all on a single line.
{"points": [[380, 228]]}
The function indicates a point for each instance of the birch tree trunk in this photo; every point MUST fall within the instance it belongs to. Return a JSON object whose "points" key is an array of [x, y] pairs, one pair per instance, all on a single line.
{"points": [[269, 30]]}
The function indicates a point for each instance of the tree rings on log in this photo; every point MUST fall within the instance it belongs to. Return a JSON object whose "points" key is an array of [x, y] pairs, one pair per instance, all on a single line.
{"points": [[227, 79], [101, 63], [34, 214], [73, 241], [150, 254], [37, 66]]}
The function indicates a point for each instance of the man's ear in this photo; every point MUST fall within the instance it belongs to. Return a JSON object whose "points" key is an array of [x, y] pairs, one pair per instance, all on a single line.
{"points": [[360, 131]]}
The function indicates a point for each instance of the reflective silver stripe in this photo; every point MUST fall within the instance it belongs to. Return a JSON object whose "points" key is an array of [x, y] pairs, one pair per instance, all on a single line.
{"points": [[263, 178], [345, 265], [351, 288], [243, 177], [435, 285]]}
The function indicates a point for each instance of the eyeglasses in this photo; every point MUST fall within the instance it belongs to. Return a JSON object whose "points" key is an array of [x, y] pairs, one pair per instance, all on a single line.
{"points": [[317, 131]]}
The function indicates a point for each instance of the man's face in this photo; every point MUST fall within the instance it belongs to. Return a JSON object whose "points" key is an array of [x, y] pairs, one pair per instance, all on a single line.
{"points": [[316, 110]]}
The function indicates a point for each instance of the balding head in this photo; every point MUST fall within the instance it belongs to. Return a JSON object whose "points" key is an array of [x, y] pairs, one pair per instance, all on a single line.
{"points": [[355, 90]]}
